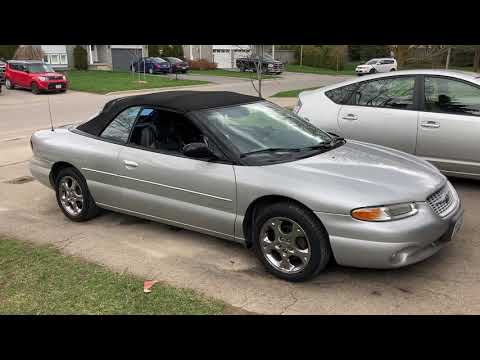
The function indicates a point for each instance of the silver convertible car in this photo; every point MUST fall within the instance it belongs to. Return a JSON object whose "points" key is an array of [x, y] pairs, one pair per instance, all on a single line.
{"points": [[241, 168]]}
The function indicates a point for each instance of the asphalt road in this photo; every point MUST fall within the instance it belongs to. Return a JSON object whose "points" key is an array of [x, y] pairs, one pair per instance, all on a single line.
{"points": [[447, 283]]}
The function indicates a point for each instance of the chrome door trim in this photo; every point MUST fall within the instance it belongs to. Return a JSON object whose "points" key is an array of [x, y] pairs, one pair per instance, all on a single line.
{"points": [[158, 184], [164, 220]]}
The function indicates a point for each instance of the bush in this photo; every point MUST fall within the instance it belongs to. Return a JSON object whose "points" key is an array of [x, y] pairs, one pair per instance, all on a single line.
{"points": [[154, 50], [323, 56], [80, 58], [172, 50], [7, 51], [201, 64]]}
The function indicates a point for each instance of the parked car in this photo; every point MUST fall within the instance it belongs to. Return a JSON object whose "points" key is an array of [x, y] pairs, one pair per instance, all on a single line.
{"points": [[153, 65], [244, 169], [269, 64], [34, 75], [177, 65], [2, 74], [434, 114], [377, 66]]}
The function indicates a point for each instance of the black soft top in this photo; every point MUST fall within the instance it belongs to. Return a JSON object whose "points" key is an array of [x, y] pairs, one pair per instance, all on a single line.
{"points": [[178, 101]]}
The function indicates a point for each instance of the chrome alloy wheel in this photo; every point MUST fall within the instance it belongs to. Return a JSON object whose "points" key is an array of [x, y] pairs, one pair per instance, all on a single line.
{"points": [[71, 195], [285, 245]]}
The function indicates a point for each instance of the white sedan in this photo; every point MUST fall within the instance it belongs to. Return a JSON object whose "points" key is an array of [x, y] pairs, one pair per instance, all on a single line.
{"points": [[434, 114], [377, 66]]}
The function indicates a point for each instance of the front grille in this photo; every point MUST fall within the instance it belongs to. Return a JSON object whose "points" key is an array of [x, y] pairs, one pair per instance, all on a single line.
{"points": [[442, 201], [54, 77]]}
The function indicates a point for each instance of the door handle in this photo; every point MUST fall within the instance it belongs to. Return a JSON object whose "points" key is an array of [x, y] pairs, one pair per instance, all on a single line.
{"points": [[430, 124], [130, 164], [350, 117]]}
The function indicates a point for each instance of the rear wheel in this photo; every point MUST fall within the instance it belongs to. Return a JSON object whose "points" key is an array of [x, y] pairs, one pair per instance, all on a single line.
{"points": [[73, 196], [290, 241], [35, 89], [9, 84], [242, 68], [392, 69], [150, 71]]}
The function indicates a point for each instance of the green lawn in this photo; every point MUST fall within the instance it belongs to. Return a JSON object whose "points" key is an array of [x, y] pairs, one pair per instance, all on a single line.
{"points": [[293, 93], [221, 72], [40, 280], [102, 82], [348, 70]]}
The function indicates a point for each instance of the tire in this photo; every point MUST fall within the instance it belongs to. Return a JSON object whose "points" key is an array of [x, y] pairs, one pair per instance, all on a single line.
{"points": [[314, 240], [392, 70], [242, 68], [88, 209], [35, 89], [373, 71], [9, 85], [150, 71], [184, 71]]}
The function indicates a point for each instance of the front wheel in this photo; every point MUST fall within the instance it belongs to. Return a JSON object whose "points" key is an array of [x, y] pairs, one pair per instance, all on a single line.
{"points": [[9, 85], [373, 71], [73, 196], [392, 70], [35, 89], [150, 71], [290, 241]]}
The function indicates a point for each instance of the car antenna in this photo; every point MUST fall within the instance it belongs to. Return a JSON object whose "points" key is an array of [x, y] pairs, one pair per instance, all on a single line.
{"points": [[50, 112]]}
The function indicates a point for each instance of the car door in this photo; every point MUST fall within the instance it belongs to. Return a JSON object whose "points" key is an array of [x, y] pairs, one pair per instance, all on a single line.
{"points": [[100, 163], [449, 125], [382, 111], [23, 76], [169, 187]]}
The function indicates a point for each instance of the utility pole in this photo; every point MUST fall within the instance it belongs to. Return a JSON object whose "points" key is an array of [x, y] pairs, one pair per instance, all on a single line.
{"points": [[301, 55], [259, 72]]}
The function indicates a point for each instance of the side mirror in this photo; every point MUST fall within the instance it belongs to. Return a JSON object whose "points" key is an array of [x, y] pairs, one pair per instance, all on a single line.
{"points": [[198, 150]]}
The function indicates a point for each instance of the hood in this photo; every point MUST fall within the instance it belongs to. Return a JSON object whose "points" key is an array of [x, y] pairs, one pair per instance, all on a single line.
{"points": [[358, 174], [47, 74]]}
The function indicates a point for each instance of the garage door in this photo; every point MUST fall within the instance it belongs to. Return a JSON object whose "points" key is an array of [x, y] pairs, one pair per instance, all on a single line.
{"points": [[122, 58], [222, 58]]}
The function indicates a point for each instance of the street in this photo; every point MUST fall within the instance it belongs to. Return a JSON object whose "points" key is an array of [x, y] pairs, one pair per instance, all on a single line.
{"points": [[447, 283]]}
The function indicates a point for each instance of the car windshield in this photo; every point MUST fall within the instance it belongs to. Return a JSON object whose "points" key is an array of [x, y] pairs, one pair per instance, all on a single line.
{"points": [[39, 68], [265, 128], [172, 59], [157, 59]]}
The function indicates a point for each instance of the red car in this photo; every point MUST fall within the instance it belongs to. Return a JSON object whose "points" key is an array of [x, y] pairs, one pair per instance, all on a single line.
{"points": [[34, 75]]}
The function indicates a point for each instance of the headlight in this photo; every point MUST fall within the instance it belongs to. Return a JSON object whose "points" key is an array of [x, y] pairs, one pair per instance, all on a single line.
{"points": [[64, 77], [270, 65], [42, 78], [385, 213]]}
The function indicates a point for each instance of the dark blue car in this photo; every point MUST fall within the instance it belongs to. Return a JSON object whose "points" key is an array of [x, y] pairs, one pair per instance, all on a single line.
{"points": [[153, 65]]}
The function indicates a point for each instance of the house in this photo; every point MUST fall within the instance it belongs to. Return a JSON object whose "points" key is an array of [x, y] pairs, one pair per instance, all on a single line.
{"points": [[110, 57], [223, 55], [56, 56]]}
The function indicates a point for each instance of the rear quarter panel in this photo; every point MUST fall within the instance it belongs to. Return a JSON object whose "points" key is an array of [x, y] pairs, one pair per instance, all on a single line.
{"points": [[318, 109]]}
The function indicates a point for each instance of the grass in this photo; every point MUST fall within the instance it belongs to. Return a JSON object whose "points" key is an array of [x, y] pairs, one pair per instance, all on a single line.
{"points": [[348, 70], [238, 74], [293, 93], [103, 82], [40, 280]]}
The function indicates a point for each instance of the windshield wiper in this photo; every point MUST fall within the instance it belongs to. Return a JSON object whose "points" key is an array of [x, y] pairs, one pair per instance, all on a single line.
{"points": [[335, 141], [269, 150]]}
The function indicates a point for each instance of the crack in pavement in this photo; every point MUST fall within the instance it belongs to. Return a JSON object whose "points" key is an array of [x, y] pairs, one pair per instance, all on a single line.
{"points": [[295, 300]]}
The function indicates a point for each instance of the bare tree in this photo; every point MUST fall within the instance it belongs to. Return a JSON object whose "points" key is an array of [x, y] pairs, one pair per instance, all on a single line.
{"points": [[29, 52]]}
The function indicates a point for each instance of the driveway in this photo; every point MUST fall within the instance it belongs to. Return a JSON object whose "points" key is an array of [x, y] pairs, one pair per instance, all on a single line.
{"points": [[445, 283]]}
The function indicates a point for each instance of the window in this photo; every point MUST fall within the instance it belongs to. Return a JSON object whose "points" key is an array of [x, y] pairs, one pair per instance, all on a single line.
{"points": [[45, 59], [451, 96], [342, 94], [119, 128], [164, 131], [54, 59], [394, 93], [63, 59]]}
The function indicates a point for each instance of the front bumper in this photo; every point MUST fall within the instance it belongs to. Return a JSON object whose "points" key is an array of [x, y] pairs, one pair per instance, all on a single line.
{"points": [[362, 71], [53, 85], [384, 245]]}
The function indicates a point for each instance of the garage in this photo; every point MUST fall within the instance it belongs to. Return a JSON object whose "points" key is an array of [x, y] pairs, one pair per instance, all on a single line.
{"points": [[122, 58], [225, 55]]}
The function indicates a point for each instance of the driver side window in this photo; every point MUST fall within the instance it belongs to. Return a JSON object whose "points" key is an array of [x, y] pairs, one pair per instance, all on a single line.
{"points": [[396, 93]]}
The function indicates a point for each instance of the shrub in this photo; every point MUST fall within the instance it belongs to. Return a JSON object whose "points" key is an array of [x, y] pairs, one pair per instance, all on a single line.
{"points": [[324, 56], [80, 58], [154, 50], [7, 51], [201, 64]]}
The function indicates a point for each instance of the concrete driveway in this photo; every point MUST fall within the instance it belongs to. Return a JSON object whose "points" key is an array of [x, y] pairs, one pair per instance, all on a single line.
{"points": [[449, 282]]}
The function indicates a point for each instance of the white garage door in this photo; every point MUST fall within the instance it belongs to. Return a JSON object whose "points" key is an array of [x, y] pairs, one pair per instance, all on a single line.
{"points": [[222, 58]]}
